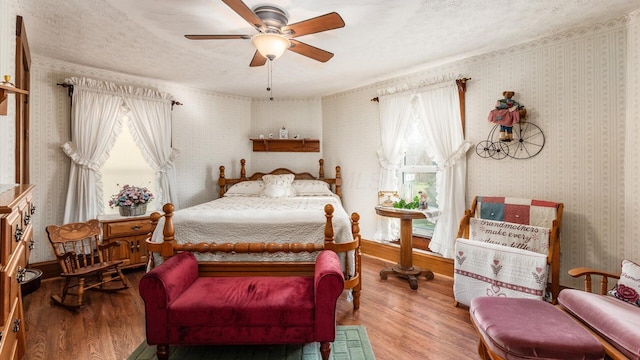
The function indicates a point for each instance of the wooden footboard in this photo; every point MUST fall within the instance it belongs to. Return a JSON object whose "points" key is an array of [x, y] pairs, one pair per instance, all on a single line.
{"points": [[229, 268]]}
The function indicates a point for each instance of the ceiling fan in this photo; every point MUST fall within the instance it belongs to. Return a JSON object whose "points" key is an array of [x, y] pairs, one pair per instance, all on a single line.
{"points": [[274, 35]]}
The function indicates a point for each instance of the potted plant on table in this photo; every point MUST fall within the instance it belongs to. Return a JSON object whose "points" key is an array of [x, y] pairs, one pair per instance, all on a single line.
{"points": [[131, 200]]}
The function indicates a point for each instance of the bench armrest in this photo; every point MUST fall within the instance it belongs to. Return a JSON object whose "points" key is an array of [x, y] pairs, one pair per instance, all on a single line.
{"points": [[160, 287], [328, 285], [588, 272]]}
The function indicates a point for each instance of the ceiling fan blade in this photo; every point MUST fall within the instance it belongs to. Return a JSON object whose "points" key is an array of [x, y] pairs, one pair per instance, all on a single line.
{"points": [[258, 60], [243, 10], [318, 24], [216, 37], [310, 51]]}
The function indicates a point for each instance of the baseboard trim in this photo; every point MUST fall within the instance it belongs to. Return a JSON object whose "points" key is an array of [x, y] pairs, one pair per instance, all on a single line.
{"points": [[391, 252], [50, 269]]}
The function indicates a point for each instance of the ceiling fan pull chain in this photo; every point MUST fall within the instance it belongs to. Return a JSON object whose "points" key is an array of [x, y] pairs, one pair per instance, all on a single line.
{"points": [[270, 79]]}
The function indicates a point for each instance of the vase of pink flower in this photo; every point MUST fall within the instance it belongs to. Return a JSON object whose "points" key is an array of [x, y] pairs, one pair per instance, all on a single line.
{"points": [[131, 200]]}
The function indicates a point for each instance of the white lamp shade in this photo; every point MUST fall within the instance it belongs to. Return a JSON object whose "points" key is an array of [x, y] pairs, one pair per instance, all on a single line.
{"points": [[271, 46]]}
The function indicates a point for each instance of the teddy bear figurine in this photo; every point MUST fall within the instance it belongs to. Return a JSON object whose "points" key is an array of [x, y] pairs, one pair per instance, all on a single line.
{"points": [[506, 113], [422, 200]]}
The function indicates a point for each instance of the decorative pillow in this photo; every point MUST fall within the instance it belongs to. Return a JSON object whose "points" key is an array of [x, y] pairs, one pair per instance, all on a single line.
{"points": [[246, 188], [311, 187], [276, 186], [628, 287]]}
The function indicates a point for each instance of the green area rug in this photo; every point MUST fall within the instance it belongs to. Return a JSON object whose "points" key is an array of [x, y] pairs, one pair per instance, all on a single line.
{"points": [[351, 343]]}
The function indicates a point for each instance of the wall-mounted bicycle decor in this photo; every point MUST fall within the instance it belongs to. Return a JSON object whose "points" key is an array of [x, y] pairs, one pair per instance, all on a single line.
{"points": [[528, 141], [516, 138]]}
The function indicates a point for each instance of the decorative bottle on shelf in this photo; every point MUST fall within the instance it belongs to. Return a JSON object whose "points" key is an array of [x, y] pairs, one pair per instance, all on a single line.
{"points": [[284, 133]]}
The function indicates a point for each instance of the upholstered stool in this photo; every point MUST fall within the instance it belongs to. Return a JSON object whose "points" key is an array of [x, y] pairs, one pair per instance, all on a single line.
{"points": [[518, 328]]}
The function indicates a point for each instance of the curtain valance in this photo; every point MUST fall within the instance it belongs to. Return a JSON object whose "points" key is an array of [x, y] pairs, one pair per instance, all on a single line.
{"points": [[111, 88], [422, 85]]}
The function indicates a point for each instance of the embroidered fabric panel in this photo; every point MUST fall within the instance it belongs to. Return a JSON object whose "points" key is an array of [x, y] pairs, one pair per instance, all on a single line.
{"points": [[525, 237], [485, 269]]}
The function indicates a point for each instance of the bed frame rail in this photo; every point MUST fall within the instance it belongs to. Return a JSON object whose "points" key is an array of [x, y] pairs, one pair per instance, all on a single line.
{"points": [[259, 268]]}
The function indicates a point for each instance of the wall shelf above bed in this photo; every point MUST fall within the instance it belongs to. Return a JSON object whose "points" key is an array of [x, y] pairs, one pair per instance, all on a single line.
{"points": [[286, 145]]}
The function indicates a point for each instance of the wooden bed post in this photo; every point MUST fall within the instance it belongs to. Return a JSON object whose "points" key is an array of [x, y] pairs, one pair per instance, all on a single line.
{"points": [[222, 182], [352, 282], [338, 182], [165, 248], [328, 228], [168, 231], [355, 230], [321, 171], [243, 171]]}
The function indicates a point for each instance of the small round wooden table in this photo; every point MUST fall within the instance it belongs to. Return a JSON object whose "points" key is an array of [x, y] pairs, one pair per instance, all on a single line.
{"points": [[405, 267]]}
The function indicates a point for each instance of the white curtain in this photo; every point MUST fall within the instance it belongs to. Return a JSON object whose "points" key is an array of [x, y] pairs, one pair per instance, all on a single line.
{"points": [[96, 122], [150, 121], [396, 114], [438, 109], [95, 125]]}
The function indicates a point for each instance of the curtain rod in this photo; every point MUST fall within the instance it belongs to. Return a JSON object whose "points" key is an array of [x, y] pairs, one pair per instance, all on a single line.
{"points": [[70, 87], [462, 86]]}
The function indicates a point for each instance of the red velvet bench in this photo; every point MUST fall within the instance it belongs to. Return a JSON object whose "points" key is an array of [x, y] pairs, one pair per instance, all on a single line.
{"points": [[182, 308], [518, 328]]}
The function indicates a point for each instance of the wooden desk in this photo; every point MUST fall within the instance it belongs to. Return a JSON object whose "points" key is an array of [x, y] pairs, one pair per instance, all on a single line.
{"points": [[404, 268]]}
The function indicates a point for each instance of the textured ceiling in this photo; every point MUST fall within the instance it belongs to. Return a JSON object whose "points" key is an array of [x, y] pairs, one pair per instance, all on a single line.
{"points": [[381, 38]]}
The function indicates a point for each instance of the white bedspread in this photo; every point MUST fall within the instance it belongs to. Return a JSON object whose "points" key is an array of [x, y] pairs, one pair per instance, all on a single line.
{"points": [[257, 220]]}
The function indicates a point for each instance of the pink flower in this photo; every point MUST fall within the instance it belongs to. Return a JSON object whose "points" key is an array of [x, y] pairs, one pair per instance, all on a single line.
{"points": [[131, 195]]}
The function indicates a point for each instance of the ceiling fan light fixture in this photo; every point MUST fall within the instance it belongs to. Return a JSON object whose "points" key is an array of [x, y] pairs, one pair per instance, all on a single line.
{"points": [[271, 46]]}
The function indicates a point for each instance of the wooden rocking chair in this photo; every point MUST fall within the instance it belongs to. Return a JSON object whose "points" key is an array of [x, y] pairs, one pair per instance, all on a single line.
{"points": [[86, 263]]}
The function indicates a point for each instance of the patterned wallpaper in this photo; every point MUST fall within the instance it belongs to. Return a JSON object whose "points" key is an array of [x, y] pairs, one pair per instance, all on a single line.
{"points": [[631, 246], [574, 85], [7, 67], [298, 116], [581, 87]]}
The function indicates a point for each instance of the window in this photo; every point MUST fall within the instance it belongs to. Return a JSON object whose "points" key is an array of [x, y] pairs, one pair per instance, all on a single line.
{"points": [[126, 166], [419, 174]]}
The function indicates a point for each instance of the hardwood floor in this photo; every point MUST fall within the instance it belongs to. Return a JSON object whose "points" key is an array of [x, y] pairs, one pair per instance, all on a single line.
{"points": [[401, 323]]}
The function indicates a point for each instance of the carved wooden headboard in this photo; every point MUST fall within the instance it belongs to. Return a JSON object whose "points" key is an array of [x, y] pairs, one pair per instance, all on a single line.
{"points": [[335, 184]]}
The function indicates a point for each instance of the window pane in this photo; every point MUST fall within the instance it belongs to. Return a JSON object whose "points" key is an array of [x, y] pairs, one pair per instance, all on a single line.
{"points": [[413, 182], [417, 155], [419, 174], [126, 166]]}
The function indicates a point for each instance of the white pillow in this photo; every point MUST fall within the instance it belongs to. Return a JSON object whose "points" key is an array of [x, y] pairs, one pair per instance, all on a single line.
{"points": [[246, 188], [628, 287], [311, 187], [276, 186]]}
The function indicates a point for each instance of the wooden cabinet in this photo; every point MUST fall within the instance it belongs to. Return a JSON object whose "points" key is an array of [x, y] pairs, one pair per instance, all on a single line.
{"points": [[131, 232], [16, 242], [286, 145]]}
